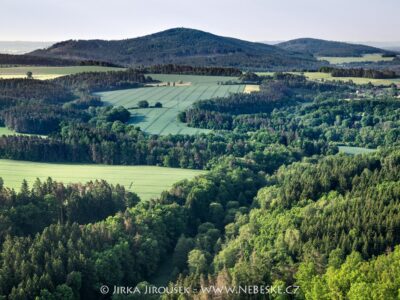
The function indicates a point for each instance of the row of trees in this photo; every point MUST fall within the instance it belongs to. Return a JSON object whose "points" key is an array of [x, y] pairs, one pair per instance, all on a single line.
{"points": [[364, 73], [190, 70], [31, 60]]}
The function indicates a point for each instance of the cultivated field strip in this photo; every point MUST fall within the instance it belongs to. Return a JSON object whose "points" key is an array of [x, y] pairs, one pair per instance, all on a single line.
{"points": [[46, 73], [174, 99], [147, 181]]}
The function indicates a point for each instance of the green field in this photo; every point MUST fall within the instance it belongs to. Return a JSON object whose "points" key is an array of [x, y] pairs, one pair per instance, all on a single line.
{"points": [[318, 76], [6, 131], [147, 181], [349, 59], [174, 99], [355, 150], [356, 80], [45, 73]]}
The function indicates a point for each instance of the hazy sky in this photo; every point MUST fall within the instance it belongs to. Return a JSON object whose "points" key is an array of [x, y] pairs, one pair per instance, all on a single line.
{"points": [[257, 20]]}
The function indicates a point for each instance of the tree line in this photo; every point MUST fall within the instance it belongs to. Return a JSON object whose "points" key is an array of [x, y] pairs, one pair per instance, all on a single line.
{"points": [[31, 60], [363, 73], [191, 70]]}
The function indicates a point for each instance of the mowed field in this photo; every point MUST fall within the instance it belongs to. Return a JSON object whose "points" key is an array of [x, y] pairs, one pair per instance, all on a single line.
{"points": [[318, 76], [251, 88], [45, 73], [147, 181], [174, 99]]}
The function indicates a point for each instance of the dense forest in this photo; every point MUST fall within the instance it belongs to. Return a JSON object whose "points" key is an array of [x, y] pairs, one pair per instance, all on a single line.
{"points": [[278, 207], [35, 106]]}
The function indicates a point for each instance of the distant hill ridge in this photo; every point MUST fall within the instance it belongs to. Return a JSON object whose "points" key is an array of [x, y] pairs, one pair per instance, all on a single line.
{"points": [[182, 46], [318, 47]]}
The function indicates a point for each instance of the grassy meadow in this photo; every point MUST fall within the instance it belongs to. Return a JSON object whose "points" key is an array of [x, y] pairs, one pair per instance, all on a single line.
{"points": [[45, 73], [174, 99], [147, 181], [349, 59]]}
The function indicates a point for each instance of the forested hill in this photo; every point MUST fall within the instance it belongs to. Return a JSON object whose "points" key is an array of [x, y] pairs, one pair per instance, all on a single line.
{"points": [[181, 46], [319, 47]]}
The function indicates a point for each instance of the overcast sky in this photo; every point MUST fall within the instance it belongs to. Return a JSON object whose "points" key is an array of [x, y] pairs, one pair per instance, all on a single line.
{"points": [[256, 20]]}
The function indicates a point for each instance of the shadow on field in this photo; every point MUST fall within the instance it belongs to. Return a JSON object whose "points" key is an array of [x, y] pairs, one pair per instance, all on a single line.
{"points": [[137, 119]]}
